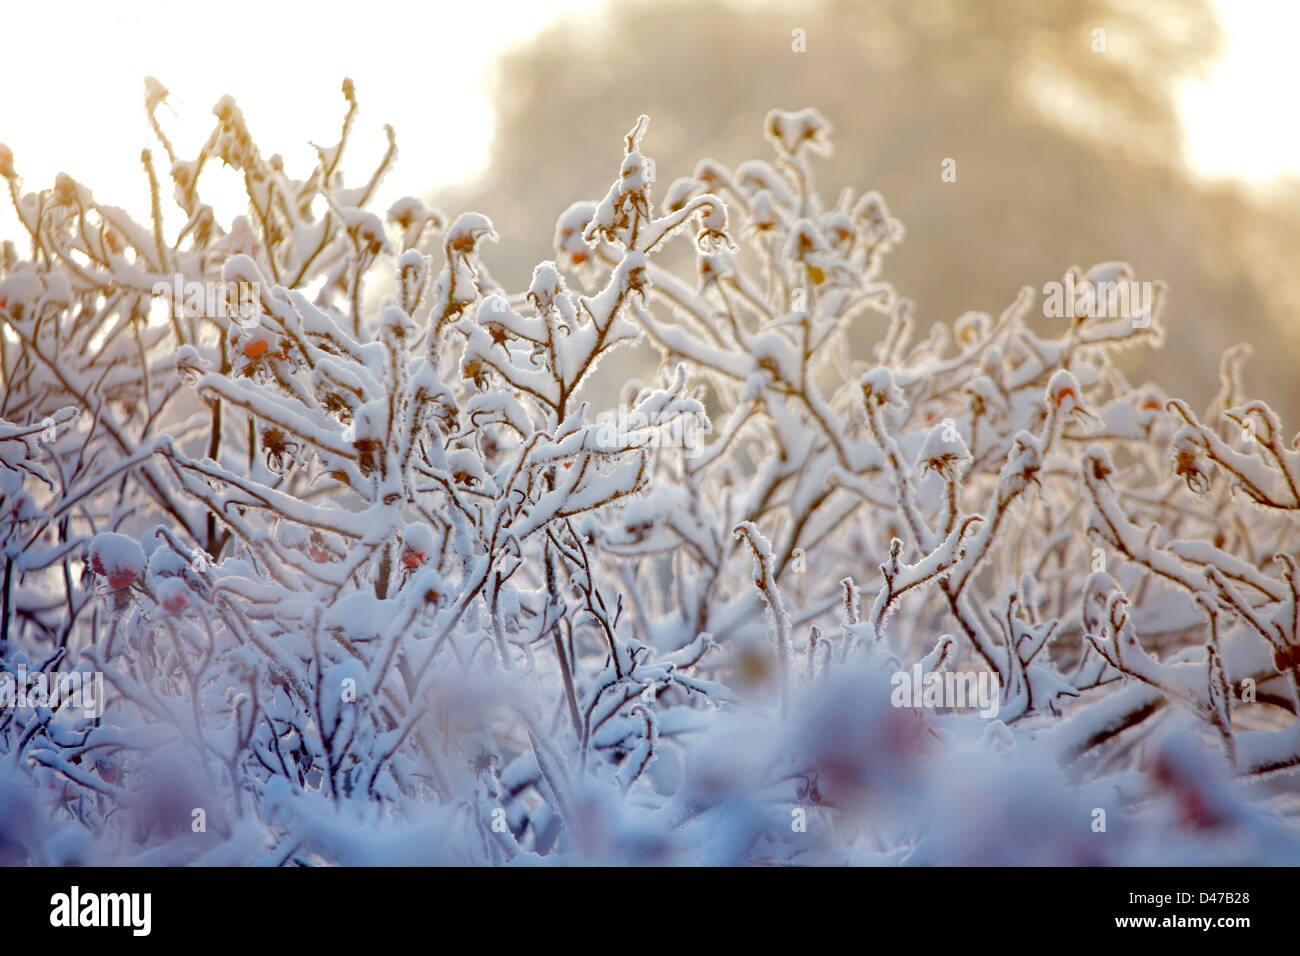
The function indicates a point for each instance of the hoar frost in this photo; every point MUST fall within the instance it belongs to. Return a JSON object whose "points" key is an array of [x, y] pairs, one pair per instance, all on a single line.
{"points": [[378, 567]]}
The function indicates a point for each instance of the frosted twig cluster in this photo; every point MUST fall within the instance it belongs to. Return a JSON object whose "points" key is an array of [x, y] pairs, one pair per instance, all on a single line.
{"points": [[368, 581]]}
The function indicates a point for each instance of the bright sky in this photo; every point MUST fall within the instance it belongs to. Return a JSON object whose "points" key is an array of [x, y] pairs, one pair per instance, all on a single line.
{"points": [[71, 82], [1242, 122], [72, 72]]}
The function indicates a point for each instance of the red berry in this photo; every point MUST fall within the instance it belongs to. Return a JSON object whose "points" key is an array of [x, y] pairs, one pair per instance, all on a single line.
{"points": [[120, 580]]}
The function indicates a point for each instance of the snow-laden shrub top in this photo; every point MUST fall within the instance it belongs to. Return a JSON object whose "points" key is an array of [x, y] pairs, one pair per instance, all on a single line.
{"points": [[378, 568]]}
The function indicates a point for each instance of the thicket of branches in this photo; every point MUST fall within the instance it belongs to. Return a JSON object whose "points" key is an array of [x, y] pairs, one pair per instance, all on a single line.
{"points": [[370, 577]]}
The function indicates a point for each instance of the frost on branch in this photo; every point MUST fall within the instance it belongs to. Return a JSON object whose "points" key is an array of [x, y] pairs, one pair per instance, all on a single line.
{"points": [[376, 569]]}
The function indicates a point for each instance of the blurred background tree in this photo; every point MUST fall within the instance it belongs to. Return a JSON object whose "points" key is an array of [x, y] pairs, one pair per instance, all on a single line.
{"points": [[1066, 154]]}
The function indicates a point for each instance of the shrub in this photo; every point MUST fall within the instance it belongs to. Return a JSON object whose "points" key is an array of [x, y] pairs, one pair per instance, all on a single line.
{"points": [[377, 567]]}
